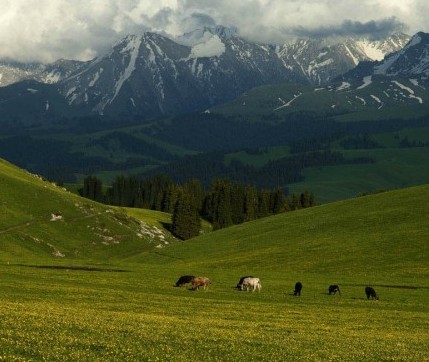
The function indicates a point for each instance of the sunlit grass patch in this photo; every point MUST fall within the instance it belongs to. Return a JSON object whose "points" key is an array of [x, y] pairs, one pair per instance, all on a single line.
{"points": [[57, 315]]}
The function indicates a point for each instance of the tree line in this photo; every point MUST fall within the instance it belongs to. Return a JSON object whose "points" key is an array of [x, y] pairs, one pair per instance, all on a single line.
{"points": [[223, 204]]}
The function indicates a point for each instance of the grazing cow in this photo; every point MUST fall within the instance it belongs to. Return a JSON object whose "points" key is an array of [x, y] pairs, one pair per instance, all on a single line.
{"points": [[240, 283], [334, 288], [251, 283], [298, 288], [185, 279], [370, 293], [198, 282]]}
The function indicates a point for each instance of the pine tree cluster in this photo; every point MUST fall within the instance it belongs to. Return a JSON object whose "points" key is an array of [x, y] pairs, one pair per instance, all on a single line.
{"points": [[224, 204]]}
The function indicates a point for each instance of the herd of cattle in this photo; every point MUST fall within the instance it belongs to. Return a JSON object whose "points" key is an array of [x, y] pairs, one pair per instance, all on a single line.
{"points": [[250, 283]]}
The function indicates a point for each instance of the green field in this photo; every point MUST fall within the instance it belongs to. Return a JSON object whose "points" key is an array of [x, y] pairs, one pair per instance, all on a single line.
{"points": [[393, 168], [117, 302]]}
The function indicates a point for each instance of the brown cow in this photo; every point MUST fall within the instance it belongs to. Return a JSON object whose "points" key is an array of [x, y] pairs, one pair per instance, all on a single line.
{"points": [[198, 282]]}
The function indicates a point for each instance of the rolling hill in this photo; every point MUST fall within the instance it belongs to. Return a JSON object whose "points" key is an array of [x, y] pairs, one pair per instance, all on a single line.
{"points": [[381, 235], [41, 221]]}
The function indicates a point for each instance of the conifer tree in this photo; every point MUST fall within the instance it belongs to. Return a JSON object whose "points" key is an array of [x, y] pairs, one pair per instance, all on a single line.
{"points": [[171, 197], [250, 203], [263, 203], [195, 190], [185, 220], [238, 204], [92, 188], [277, 202], [222, 212]]}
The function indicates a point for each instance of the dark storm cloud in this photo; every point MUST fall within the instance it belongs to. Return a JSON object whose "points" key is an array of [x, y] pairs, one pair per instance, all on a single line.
{"points": [[372, 29]]}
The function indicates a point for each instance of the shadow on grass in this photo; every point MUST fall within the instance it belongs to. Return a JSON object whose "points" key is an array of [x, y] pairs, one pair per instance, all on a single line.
{"points": [[79, 268], [390, 286]]}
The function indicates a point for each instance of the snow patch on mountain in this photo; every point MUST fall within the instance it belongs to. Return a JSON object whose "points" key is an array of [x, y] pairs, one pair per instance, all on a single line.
{"points": [[52, 77], [295, 96], [361, 99], [355, 60], [371, 49], [409, 90], [377, 100], [212, 47], [314, 66], [132, 48], [416, 83], [344, 85], [366, 82], [96, 78]]}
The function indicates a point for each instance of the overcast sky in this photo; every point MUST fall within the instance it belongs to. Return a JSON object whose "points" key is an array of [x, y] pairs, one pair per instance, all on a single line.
{"points": [[46, 30]]}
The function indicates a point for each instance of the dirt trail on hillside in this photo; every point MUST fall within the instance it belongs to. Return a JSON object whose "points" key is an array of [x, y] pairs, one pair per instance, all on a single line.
{"points": [[30, 223], [15, 227]]}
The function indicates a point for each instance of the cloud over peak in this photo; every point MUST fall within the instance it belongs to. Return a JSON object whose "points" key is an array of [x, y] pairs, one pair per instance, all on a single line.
{"points": [[372, 29], [47, 30]]}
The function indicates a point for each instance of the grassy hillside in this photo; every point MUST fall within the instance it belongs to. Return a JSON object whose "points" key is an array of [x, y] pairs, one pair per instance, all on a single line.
{"points": [[123, 306], [42, 221], [393, 168], [381, 98], [377, 236]]}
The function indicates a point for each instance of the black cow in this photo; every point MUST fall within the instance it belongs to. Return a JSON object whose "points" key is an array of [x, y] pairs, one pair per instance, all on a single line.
{"points": [[185, 279], [370, 293], [298, 288], [240, 283], [334, 288]]}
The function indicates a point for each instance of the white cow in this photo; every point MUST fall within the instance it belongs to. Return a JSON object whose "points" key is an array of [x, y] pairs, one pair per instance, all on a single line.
{"points": [[251, 284]]}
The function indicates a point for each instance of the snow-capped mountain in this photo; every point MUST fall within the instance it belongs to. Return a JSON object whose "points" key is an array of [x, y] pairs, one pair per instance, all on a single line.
{"points": [[13, 72], [411, 61], [152, 75], [322, 60]]}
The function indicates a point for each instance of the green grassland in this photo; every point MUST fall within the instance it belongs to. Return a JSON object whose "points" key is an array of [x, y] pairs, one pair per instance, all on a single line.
{"points": [[117, 302], [381, 99], [393, 168], [82, 228]]}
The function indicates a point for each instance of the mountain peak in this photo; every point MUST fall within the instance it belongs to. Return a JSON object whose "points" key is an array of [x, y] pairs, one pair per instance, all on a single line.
{"points": [[202, 34], [412, 59], [224, 32]]}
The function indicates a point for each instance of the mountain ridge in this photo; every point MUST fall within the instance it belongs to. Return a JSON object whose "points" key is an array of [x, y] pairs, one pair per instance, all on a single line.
{"points": [[151, 75]]}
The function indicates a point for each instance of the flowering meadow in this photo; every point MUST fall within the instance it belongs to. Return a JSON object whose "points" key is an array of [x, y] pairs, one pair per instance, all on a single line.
{"points": [[136, 314]]}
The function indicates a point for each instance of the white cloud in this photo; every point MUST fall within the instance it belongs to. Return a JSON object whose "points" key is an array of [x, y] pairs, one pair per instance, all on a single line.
{"points": [[212, 47], [50, 29]]}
